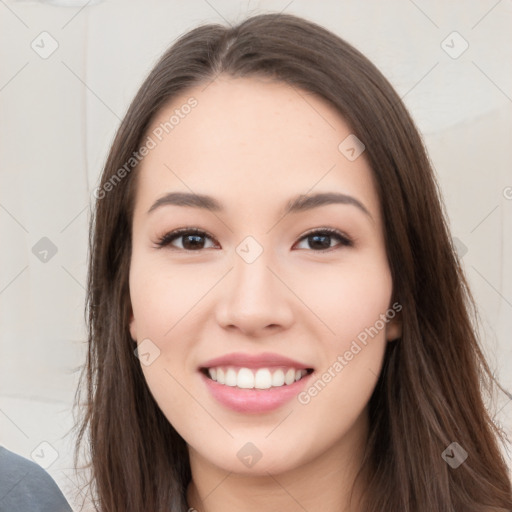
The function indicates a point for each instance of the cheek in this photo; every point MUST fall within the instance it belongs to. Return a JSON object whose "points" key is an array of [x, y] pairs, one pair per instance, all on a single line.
{"points": [[162, 305], [353, 307], [348, 299], [161, 295]]}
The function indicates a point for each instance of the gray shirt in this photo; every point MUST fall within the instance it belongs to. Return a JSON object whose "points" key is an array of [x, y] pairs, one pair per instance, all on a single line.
{"points": [[27, 487]]}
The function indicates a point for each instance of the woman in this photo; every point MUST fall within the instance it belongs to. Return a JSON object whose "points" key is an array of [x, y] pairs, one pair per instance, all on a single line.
{"points": [[238, 359]]}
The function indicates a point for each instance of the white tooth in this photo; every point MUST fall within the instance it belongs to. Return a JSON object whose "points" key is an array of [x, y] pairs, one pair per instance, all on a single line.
{"points": [[278, 378], [290, 376], [221, 378], [213, 373], [263, 379], [245, 378], [230, 377], [303, 372], [298, 375]]}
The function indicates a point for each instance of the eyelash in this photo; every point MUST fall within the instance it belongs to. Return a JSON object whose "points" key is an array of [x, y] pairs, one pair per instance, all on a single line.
{"points": [[166, 239]]}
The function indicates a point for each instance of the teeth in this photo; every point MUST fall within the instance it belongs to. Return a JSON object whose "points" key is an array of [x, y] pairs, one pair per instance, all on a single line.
{"points": [[278, 378], [231, 377], [245, 378], [289, 378], [263, 378]]}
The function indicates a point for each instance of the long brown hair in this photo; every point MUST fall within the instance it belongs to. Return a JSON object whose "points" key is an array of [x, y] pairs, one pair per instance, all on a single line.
{"points": [[429, 393]]}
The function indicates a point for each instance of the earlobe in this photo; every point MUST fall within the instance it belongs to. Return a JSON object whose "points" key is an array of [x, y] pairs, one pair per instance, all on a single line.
{"points": [[394, 328]]}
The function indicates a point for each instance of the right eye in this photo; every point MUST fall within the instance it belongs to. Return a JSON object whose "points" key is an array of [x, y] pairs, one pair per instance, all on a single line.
{"points": [[191, 239]]}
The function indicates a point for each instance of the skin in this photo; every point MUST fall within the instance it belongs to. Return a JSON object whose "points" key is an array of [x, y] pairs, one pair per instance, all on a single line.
{"points": [[253, 144]]}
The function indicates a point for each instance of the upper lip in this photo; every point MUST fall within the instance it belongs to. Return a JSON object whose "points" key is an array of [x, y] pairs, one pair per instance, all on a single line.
{"points": [[263, 360]]}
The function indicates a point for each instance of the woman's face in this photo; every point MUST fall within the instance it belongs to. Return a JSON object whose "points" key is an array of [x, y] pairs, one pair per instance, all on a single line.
{"points": [[262, 295]]}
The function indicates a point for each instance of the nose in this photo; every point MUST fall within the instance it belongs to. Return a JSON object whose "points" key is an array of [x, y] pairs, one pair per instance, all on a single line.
{"points": [[255, 299]]}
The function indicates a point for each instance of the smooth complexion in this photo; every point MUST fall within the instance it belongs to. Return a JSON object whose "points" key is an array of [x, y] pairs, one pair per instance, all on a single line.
{"points": [[254, 145]]}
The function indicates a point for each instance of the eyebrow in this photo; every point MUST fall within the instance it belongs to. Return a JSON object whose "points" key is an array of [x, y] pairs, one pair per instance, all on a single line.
{"points": [[297, 204]]}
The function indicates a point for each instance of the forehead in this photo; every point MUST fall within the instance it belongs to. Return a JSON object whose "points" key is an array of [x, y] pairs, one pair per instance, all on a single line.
{"points": [[251, 140]]}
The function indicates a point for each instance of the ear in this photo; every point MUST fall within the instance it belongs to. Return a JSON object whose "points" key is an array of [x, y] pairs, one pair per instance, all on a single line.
{"points": [[394, 327]]}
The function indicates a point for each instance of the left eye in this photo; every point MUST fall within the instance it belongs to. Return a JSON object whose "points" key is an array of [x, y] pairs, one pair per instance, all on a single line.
{"points": [[193, 239], [321, 238]]}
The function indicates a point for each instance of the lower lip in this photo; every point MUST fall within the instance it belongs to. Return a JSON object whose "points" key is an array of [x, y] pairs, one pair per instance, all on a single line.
{"points": [[254, 400]]}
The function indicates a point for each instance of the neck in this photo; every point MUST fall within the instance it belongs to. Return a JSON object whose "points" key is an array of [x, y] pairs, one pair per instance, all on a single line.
{"points": [[323, 483]]}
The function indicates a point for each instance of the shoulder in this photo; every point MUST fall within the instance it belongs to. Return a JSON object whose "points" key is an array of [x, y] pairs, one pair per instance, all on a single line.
{"points": [[26, 486]]}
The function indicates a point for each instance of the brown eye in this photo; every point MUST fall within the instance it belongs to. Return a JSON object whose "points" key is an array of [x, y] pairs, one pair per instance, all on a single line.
{"points": [[192, 239], [320, 240]]}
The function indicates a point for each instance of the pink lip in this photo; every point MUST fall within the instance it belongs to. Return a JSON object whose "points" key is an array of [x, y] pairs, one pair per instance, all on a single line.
{"points": [[254, 400], [264, 360]]}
